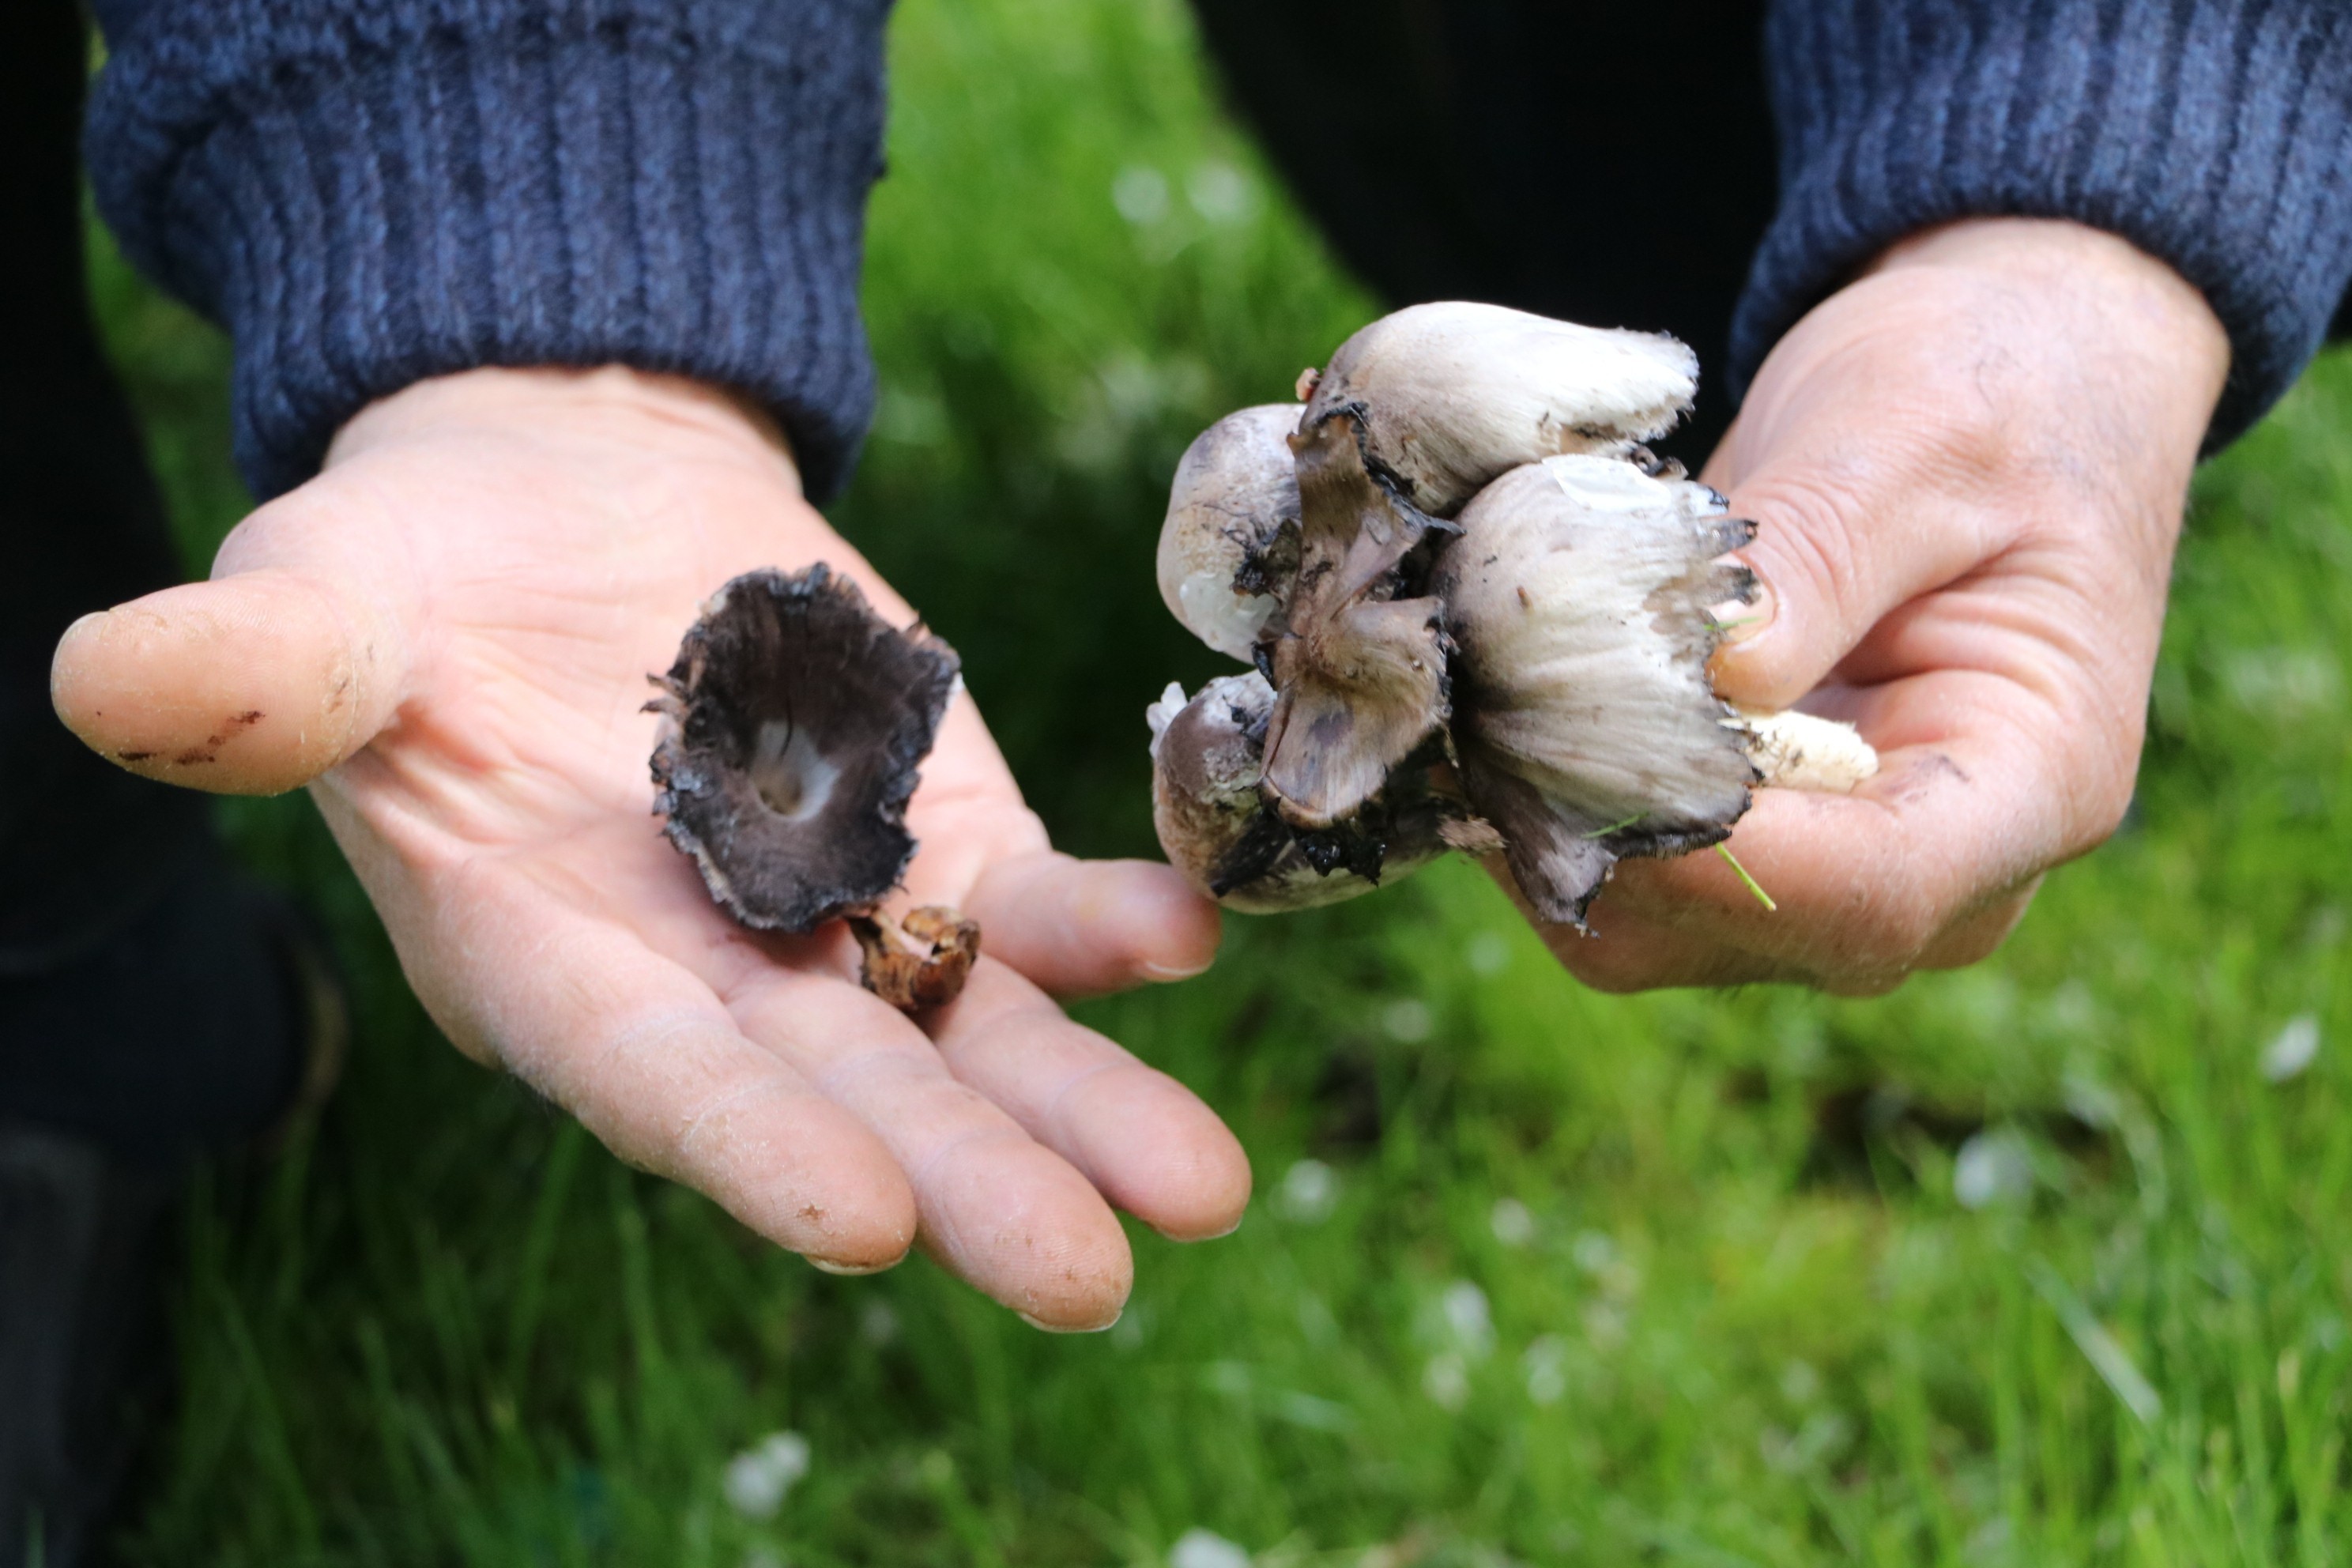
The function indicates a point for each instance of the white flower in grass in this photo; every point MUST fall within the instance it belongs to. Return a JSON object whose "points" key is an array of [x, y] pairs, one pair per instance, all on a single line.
{"points": [[1821, 1437], [1408, 1021], [757, 1479], [1309, 1191], [1468, 1319], [1222, 194], [1605, 1324], [1544, 1366], [1134, 1326], [1992, 1167], [2282, 683], [1446, 1379], [1619, 1276], [1512, 1224], [877, 1323], [2296, 1048], [760, 1557], [1198, 1548], [1141, 194]]}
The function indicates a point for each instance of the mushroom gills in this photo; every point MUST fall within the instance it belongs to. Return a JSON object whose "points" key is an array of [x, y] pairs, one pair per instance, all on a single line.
{"points": [[794, 721], [1360, 673], [1587, 727]]}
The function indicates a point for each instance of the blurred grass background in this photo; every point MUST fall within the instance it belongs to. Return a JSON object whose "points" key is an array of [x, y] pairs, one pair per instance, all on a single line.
{"points": [[2044, 1262]]}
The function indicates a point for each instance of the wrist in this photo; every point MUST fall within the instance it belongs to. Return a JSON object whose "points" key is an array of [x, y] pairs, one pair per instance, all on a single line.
{"points": [[646, 411]]}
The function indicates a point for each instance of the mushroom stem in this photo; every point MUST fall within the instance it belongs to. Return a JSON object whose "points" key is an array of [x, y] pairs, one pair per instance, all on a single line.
{"points": [[1804, 751], [920, 962]]}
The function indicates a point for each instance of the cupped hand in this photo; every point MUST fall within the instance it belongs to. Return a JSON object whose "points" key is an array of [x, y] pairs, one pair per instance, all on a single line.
{"points": [[446, 634], [1968, 469]]}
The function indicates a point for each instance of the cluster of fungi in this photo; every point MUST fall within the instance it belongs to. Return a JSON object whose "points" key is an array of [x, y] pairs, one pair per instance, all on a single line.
{"points": [[1478, 613]]}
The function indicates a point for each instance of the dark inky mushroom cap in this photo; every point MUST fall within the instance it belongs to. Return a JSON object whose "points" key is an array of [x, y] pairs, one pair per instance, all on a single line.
{"points": [[796, 721]]}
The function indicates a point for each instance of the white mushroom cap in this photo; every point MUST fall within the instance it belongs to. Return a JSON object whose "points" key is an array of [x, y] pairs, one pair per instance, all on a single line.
{"points": [[1587, 728], [1456, 394], [1235, 488]]}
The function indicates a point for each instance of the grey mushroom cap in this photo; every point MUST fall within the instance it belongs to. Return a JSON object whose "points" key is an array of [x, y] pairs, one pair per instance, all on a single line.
{"points": [[1586, 725], [1456, 394], [1358, 658], [794, 721], [1221, 562], [1216, 827]]}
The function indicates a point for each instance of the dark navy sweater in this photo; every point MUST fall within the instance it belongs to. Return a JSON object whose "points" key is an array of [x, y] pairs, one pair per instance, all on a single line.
{"points": [[369, 192]]}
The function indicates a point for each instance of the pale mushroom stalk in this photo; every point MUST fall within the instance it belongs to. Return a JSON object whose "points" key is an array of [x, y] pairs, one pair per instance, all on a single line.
{"points": [[1804, 751]]}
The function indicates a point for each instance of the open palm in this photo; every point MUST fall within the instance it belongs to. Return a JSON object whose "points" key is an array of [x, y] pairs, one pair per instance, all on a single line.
{"points": [[448, 634]]}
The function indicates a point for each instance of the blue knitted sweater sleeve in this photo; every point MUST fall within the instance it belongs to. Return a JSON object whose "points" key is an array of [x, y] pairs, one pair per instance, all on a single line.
{"points": [[2214, 134], [370, 191]]}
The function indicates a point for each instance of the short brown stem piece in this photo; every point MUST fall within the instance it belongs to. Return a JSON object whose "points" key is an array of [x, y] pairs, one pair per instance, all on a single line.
{"points": [[918, 963]]}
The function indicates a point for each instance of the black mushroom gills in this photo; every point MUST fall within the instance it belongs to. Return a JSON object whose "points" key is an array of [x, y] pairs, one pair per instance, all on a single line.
{"points": [[796, 721]]}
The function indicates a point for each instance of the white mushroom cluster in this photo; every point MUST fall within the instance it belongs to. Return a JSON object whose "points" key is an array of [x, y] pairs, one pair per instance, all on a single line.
{"points": [[1480, 614]]}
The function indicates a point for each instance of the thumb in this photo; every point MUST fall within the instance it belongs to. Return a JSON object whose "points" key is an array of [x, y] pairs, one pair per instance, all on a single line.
{"points": [[1840, 545], [252, 683]]}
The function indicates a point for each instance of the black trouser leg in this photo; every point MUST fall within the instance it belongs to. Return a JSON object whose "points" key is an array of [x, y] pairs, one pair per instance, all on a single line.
{"points": [[81, 842], [139, 1002], [1604, 163]]}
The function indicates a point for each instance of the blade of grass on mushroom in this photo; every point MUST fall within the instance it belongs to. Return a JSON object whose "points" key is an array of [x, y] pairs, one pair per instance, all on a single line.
{"points": [[1754, 887]]}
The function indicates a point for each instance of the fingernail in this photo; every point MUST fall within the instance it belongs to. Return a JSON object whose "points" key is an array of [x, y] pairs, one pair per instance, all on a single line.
{"points": [[1166, 971], [1042, 1327], [1191, 1236], [832, 1266], [1743, 618]]}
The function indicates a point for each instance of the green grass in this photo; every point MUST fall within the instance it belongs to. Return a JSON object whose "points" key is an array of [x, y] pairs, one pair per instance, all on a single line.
{"points": [[1674, 1279]]}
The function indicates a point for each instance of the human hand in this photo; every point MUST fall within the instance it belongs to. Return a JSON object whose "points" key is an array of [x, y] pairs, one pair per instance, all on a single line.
{"points": [[446, 636], [1968, 469]]}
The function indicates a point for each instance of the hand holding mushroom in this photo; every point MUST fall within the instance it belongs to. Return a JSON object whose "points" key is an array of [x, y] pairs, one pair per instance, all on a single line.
{"points": [[1967, 471], [1482, 614], [1964, 474], [446, 634]]}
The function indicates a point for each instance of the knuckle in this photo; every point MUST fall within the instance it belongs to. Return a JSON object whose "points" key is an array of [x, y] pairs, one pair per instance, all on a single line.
{"points": [[1806, 537]]}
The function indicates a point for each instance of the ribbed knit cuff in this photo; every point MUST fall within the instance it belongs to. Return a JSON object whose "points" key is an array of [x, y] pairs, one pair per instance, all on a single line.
{"points": [[367, 193], [2214, 134]]}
